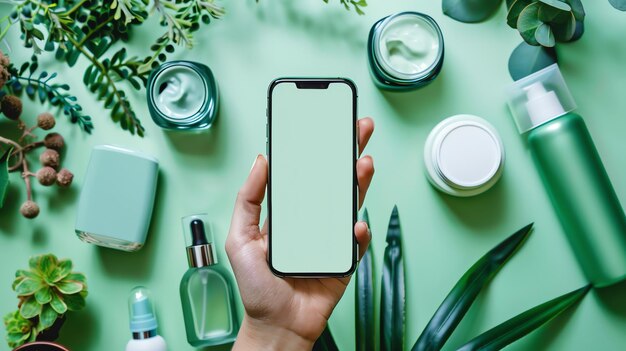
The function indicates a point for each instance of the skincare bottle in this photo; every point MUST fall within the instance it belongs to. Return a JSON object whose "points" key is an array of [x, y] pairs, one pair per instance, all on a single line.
{"points": [[182, 95], [573, 174], [143, 323], [206, 290], [405, 51]]}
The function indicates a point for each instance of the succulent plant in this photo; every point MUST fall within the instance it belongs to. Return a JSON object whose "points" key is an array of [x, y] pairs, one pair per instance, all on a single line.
{"points": [[544, 22], [47, 290], [19, 329]]}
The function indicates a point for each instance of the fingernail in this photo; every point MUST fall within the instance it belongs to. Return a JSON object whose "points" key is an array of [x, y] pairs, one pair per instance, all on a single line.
{"points": [[254, 163]]}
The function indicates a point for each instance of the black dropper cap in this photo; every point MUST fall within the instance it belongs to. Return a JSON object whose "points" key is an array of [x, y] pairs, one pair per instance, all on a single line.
{"points": [[198, 236]]}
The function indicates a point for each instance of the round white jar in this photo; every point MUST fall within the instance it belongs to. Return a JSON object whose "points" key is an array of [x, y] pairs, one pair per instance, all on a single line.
{"points": [[463, 155]]}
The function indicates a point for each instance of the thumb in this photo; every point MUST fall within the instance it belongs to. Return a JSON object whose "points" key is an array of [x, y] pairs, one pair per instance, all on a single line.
{"points": [[245, 222]]}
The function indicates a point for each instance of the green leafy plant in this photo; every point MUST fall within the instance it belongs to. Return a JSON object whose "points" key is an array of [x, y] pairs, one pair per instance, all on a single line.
{"points": [[458, 302], [19, 329], [89, 28], [46, 291]]}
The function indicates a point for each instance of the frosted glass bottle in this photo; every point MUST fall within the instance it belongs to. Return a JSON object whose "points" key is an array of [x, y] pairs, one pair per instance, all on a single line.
{"points": [[206, 291], [573, 173]]}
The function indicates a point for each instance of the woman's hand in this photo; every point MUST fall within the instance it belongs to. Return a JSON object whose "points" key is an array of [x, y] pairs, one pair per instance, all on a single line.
{"points": [[283, 313]]}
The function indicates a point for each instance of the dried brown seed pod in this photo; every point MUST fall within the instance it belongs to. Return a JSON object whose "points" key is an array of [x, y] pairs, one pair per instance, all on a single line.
{"points": [[46, 176], [54, 141], [4, 69], [45, 121], [50, 158], [11, 106], [29, 209], [64, 178]]}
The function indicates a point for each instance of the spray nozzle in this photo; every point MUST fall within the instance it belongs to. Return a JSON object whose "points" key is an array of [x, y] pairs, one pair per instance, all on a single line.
{"points": [[141, 310]]}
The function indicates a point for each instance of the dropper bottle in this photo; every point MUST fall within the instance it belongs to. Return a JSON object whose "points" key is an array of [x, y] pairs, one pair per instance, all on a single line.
{"points": [[207, 289], [143, 323], [573, 174]]}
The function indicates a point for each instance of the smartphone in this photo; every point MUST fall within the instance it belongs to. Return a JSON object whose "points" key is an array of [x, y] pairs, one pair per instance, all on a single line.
{"points": [[312, 188]]}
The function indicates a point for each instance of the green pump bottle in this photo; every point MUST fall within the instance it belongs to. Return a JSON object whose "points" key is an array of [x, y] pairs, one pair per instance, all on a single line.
{"points": [[572, 171]]}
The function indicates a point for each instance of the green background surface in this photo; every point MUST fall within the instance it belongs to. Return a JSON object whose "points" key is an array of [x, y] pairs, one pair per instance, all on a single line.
{"points": [[256, 43]]}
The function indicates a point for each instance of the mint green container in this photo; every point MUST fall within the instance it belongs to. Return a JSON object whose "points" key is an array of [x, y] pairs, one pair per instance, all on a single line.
{"points": [[206, 290], [573, 174]]}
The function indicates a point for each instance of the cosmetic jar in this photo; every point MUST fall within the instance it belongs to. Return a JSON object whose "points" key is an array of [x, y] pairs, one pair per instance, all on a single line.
{"points": [[117, 197], [405, 51], [463, 155], [182, 95]]}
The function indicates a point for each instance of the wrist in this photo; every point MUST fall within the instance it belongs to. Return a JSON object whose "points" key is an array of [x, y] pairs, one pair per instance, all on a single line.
{"points": [[259, 335]]}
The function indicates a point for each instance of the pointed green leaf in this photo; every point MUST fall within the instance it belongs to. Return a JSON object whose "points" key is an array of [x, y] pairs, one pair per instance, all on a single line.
{"points": [[47, 316], [470, 11], [57, 304], [74, 302], [30, 308], [392, 297], [43, 295], [524, 323], [325, 342], [4, 174], [69, 287], [364, 299], [527, 59], [28, 287], [460, 299]]}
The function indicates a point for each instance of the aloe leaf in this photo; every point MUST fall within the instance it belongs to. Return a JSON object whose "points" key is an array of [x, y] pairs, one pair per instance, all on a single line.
{"points": [[459, 300], [470, 11], [392, 290], [325, 342], [4, 175], [619, 4], [527, 59], [364, 299], [524, 323]]}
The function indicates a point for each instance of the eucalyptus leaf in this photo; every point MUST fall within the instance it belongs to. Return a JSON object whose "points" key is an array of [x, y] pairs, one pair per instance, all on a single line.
{"points": [[527, 59], [514, 11], [524, 323], [470, 11], [392, 295], [578, 10], [557, 4], [4, 174], [528, 22], [464, 293], [565, 32], [364, 299], [544, 36], [618, 4], [325, 342]]}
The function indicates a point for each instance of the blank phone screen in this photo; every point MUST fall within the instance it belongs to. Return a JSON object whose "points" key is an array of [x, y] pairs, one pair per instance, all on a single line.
{"points": [[312, 196]]}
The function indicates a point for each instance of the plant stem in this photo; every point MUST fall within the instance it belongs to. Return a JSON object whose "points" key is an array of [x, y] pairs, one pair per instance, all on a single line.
{"points": [[33, 145], [76, 7], [18, 150], [26, 175], [94, 31]]}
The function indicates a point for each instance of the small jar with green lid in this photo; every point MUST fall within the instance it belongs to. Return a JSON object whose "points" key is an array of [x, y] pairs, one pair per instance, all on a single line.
{"points": [[182, 95], [405, 51]]}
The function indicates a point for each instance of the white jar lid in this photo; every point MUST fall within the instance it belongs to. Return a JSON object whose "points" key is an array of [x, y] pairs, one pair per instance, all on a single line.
{"points": [[464, 155]]}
